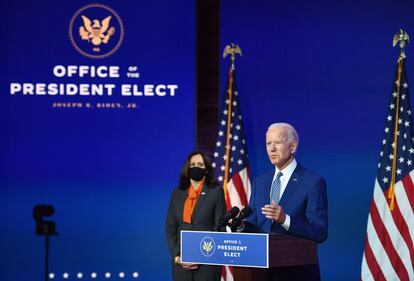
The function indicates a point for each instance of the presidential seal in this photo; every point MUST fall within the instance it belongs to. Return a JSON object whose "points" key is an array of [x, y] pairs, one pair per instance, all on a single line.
{"points": [[207, 246], [96, 31]]}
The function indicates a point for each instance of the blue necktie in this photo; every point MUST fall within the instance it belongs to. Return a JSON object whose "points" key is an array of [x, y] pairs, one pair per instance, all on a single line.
{"points": [[275, 193]]}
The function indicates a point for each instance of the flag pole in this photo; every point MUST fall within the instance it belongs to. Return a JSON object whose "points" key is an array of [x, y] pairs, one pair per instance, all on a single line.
{"points": [[232, 50], [401, 37]]}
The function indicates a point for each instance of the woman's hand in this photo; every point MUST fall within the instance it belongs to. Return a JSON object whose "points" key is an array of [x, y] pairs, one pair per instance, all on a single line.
{"points": [[186, 266], [189, 266]]}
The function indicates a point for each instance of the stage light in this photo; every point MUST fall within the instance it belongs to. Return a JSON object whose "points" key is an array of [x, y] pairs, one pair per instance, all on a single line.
{"points": [[51, 275], [135, 274], [107, 275], [94, 275], [65, 275], [79, 275], [43, 227], [121, 275]]}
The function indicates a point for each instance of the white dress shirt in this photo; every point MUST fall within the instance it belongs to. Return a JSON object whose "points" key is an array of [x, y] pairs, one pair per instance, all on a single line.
{"points": [[287, 173]]}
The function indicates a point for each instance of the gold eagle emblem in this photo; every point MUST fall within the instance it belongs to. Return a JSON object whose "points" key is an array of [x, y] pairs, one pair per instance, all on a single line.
{"points": [[207, 246], [95, 31], [231, 50], [401, 37]]}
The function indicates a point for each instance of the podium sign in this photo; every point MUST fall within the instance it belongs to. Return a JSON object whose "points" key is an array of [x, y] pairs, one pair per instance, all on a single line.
{"points": [[222, 248]]}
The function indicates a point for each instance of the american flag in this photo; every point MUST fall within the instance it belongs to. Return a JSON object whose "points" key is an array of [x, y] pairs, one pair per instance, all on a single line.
{"points": [[230, 156], [389, 248]]}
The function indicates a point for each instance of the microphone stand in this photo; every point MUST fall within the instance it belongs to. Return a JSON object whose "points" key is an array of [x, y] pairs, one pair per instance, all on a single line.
{"points": [[45, 228], [47, 258]]}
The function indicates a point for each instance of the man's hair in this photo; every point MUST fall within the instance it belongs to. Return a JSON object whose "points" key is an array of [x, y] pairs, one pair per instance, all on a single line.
{"points": [[292, 134]]}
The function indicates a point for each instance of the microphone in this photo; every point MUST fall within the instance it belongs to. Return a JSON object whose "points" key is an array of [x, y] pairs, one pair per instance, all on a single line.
{"points": [[237, 221], [230, 215]]}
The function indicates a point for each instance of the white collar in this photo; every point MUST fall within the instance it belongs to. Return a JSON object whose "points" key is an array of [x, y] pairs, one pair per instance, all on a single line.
{"points": [[288, 170]]}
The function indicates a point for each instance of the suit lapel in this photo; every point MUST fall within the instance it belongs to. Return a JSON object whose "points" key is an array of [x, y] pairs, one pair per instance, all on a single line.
{"points": [[200, 201], [292, 185], [266, 191], [263, 200]]}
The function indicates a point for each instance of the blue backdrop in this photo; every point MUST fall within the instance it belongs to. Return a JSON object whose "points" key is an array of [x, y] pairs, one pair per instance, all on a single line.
{"points": [[107, 170], [327, 68]]}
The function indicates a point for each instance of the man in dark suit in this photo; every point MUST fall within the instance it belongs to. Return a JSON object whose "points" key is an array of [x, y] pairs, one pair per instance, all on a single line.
{"points": [[289, 199]]}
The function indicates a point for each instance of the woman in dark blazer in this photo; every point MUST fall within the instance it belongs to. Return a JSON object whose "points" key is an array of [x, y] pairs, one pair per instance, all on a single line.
{"points": [[197, 204]]}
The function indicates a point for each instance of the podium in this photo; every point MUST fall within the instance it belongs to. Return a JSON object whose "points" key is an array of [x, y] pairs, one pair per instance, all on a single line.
{"points": [[288, 256], [254, 256]]}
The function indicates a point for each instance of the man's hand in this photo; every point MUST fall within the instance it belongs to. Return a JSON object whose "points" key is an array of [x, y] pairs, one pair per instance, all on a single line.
{"points": [[274, 212]]}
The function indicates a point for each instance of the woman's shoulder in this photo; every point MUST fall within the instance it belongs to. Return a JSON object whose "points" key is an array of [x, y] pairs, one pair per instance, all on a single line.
{"points": [[214, 189], [177, 191], [212, 185]]}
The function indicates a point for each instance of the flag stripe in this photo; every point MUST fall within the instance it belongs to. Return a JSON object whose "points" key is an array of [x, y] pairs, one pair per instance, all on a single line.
{"points": [[380, 255], [405, 208], [409, 190], [372, 270], [398, 242], [228, 200], [387, 243], [245, 176], [230, 273], [223, 273], [234, 196], [404, 214], [238, 184], [404, 230]]}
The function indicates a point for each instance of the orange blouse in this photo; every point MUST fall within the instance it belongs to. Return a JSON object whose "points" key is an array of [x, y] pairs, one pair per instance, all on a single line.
{"points": [[191, 201]]}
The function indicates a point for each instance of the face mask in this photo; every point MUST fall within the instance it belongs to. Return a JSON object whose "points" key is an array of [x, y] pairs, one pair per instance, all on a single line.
{"points": [[196, 173]]}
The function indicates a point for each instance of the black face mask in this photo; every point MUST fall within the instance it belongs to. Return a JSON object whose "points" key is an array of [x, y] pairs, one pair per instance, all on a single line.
{"points": [[196, 173]]}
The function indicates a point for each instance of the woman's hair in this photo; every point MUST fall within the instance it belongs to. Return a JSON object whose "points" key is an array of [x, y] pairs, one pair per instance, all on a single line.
{"points": [[185, 179]]}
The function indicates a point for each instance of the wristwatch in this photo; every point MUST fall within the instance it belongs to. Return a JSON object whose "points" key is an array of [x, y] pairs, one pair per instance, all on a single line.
{"points": [[177, 260]]}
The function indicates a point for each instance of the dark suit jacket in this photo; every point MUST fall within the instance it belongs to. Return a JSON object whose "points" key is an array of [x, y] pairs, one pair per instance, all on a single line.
{"points": [[304, 200], [210, 207]]}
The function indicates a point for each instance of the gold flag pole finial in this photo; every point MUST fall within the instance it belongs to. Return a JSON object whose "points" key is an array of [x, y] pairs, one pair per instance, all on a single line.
{"points": [[402, 37], [233, 50]]}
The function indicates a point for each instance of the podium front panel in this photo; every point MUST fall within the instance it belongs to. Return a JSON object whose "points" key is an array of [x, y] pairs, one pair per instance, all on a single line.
{"points": [[222, 248]]}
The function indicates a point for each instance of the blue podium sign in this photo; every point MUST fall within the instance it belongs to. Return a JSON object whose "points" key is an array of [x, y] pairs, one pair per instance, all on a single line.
{"points": [[222, 248]]}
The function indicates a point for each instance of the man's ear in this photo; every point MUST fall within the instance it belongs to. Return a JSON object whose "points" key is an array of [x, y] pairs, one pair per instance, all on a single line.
{"points": [[294, 147]]}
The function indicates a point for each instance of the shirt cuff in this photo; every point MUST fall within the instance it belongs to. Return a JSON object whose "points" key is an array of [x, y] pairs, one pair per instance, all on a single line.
{"points": [[286, 223]]}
